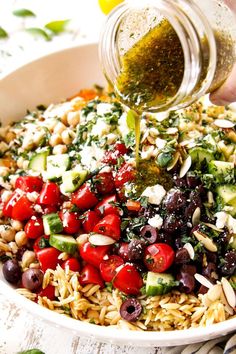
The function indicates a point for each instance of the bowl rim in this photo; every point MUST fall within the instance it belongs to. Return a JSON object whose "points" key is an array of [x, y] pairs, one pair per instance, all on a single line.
{"points": [[109, 333]]}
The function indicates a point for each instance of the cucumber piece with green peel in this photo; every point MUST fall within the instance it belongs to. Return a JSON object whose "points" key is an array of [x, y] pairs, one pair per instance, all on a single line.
{"points": [[159, 283], [223, 171], [227, 193], [52, 224], [56, 166], [199, 154], [63, 243], [72, 180], [38, 161]]}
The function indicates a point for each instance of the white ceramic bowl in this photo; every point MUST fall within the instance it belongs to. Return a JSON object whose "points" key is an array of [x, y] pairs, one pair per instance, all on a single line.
{"points": [[50, 79]]}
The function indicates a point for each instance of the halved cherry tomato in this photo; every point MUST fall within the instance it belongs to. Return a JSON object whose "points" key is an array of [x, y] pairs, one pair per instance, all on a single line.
{"points": [[72, 263], [123, 251], [128, 280], [133, 205], [50, 194], [125, 174], [48, 258], [107, 206], [8, 205], [105, 183], [90, 275], [49, 209], [108, 267], [158, 257], [93, 254], [29, 183], [89, 219], [22, 209], [49, 292], [84, 198], [111, 156], [41, 242], [34, 227], [70, 220], [109, 226]]}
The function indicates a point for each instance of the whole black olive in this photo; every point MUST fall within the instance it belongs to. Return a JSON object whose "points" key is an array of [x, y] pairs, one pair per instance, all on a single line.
{"points": [[209, 271], [11, 271], [187, 282], [149, 233], [164, 237], [229, 266], [188, 268], [179, 182], [174, 200], [192, 181], [182, 256], [130, 310], [172, 223], [32, 279], [136, 250]]}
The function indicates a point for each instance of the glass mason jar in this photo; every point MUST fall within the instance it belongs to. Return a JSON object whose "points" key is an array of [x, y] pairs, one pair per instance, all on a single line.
{"points": [[150, 43]]}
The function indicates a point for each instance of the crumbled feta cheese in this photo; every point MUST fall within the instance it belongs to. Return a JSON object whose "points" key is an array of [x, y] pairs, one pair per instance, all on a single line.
{"points": [[123, 127], [58, 110], [32, 197], [100, 128], [155, 194], [147, 153], [160, 143], [224, 219], [91, 156], [104, 108], [156, 221]]}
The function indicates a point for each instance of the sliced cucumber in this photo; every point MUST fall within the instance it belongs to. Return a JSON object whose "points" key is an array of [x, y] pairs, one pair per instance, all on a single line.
{"points": [[38, 161], [52, 224], [71, 180], [159, 283], [198, 155], [63, 243], [227, 193], [221, 170], [56, 166]]}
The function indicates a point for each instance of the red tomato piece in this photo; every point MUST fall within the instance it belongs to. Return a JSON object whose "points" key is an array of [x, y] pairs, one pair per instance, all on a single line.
{"points": [[123, 251], [90, 275], [89, 219], [72, 263], [70, 220], [109, 226], [108, 267], [50, 194], [128, 280], [8, 205], [29, 183], [34, 227], [49, 292], [49, 209], [105, 183], [41, 242], [84, 198], [111, 156], [106, 206], [48, 258], [22, 209], [93, 254], [158, 257], [125, 174]]}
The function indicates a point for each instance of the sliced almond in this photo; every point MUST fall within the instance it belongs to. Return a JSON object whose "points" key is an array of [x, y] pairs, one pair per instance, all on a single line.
{"points": [[171, 130], [185, 167], [196, 216], [190, 250], [101, 240], [202, 280], [213, 227], [206, 241], [81, 239], [214, 292], [210, 197], [228, 308], [229, 292], [224, 123], [174, 162]]}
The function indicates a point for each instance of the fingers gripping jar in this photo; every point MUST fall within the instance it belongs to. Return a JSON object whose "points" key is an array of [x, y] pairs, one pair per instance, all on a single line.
{"points": [[165, 54]]}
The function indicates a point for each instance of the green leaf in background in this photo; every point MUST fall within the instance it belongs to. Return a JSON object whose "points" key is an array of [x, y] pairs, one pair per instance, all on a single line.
{"points": [[32, 351], [38, 32], [130, 119], [23, 13], [3, 33], [57, 26]]}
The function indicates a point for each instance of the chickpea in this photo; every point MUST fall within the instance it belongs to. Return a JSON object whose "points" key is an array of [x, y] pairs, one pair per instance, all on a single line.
{"points": [[28, 258], [7, 233], [17, 225], [20, 162], [67, 136], [59, 128], [59, 149], [55, 139], [73, 118], [9, 136]]}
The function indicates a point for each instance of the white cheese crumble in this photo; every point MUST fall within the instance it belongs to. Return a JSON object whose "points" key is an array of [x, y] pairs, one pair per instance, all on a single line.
{"points": [[156, 221], [100, 128], [104, 108], [155, 194], [91, 156], [224, 219], [160, 143], [123, 127]]}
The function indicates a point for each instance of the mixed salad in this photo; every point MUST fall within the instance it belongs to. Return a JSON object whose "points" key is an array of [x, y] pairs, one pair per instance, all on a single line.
{"points": [[73, 195]]}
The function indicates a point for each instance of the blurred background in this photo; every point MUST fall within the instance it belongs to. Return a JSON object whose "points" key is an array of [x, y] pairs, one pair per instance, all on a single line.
{"points": [[31, 28]]}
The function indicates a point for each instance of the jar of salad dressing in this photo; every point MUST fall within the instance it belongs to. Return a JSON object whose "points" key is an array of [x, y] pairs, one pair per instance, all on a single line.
{"points": [[165, 54]]}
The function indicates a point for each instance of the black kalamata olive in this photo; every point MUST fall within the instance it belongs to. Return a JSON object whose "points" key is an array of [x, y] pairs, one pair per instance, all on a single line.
{"points": [[203, 290], [164, 237], [182, 256], [179, 182], [195, 198], [178, 243], [148, 212], [172, 223], [11, 271], [187, 282], [208, 270], [130, 310], [149, 233], [20, 252], [192, 181], [136, 250], [188, 268], [211, 257], [174, 200], [32, 279], [223, 240], [229, 266]]}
